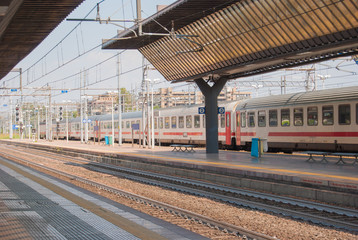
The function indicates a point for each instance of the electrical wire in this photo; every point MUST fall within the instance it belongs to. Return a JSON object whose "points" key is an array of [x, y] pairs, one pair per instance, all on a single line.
{"points": [[58, 44]]}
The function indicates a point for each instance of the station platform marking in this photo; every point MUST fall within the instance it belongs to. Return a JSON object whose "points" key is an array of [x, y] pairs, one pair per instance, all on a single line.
{"points": [[113, 218]]}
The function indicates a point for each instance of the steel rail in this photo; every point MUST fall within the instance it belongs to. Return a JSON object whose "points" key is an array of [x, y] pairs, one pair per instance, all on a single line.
{"points": [[306, 216], [142, 176], [229, 228]]}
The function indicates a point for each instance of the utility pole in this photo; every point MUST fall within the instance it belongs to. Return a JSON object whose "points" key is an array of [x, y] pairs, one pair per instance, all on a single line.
{"points": [[144, 76], [38, 123], [148, 117], [10, 125], [139, 17], [85, 108], [46, 115], [112, 121], [86, 120], [66, 122], [29, 123], [81, 111], [119, 105], [152, 118], [50, 113]]}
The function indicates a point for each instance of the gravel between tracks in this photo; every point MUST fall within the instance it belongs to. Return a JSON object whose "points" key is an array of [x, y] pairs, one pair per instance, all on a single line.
{"points": [[272, 225]]}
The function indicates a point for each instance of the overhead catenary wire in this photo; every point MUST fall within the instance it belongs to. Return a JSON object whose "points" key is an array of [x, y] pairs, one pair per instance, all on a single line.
{"points": [[58, 44]]}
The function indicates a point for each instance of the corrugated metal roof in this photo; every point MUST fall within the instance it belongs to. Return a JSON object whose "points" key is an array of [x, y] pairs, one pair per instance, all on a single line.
{"points": [[180, 13], [246, 37], [314, 97], [25, 24]]}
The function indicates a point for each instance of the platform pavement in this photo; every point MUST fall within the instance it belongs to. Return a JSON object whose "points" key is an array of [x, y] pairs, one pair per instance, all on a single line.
{"points": [[37, 206], [292, 165]]}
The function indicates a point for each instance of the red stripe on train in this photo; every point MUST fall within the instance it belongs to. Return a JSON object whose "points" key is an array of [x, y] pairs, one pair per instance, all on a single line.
{"points": [[313, 134], [181, 133], [248, 134]]}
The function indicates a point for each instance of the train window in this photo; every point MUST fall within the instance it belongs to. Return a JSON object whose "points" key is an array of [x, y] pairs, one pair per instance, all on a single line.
{"points": [[251, 118], [344, 114], [166, 122], [155, 123], [127, 124], [197, 121], [174, 122], [203, 120], [161, 123], [357, 113], [243, 119], [181, 122], [261, 119], [312, 116], [285, 117], [188, 121], [273, 118], [298, 116], [222, 120], [122, 124], [228, 121]]}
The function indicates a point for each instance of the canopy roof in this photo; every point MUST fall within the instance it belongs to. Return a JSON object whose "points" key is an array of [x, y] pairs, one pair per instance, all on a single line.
{"points": [[232, 39], [24, 24]]}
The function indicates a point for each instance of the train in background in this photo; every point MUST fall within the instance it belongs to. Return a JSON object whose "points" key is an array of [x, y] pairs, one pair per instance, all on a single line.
{"points": [[325, 120]]}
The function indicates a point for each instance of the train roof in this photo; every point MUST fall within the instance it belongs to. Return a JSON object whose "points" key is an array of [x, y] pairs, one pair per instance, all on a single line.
{"points": [[189, 109], [108, 117], [229, 106], [321, 96]]}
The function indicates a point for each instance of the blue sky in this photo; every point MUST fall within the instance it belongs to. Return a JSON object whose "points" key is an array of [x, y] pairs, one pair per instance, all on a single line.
{"points": [[55, 70]]}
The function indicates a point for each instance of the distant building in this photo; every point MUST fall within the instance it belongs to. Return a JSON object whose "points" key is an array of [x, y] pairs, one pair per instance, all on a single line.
{"points": [[163, 98], [166, 97], [102, 104]]}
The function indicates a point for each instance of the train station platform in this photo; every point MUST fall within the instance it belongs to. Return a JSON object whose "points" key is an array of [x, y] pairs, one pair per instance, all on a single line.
{"points": [[271, 172], [36, 206]]}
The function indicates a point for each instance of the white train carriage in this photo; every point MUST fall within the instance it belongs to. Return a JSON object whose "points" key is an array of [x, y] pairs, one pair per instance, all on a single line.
{"points": [[320, 120], [171, 125], [185, 125]]}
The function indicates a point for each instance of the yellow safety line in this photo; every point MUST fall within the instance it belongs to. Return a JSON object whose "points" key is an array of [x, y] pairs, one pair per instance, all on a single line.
{"points": [[122, 222]]}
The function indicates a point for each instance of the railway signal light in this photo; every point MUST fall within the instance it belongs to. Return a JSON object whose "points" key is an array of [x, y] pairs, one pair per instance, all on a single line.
{"points": [[17, 113], [61, 114]]}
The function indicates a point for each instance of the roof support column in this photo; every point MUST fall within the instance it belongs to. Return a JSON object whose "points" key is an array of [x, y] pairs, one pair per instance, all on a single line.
{"points": [[211, 112]]}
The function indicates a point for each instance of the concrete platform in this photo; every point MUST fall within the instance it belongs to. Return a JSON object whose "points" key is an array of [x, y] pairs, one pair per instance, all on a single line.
{"points": [[271, 172], [30, 209]]}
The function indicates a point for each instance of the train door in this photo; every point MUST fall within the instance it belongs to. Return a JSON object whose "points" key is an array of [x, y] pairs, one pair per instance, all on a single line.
{"points": [[238, 129], [99, 130], [228, 128], [96, 130]]}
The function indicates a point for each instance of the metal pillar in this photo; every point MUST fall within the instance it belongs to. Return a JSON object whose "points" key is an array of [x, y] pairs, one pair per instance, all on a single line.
{"points": [[119, 104], [10, 125], [211, 112]]}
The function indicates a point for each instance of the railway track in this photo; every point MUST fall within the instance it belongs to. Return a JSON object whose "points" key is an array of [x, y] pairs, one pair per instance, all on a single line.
{"points": [[179, 213], [299, 209]]}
